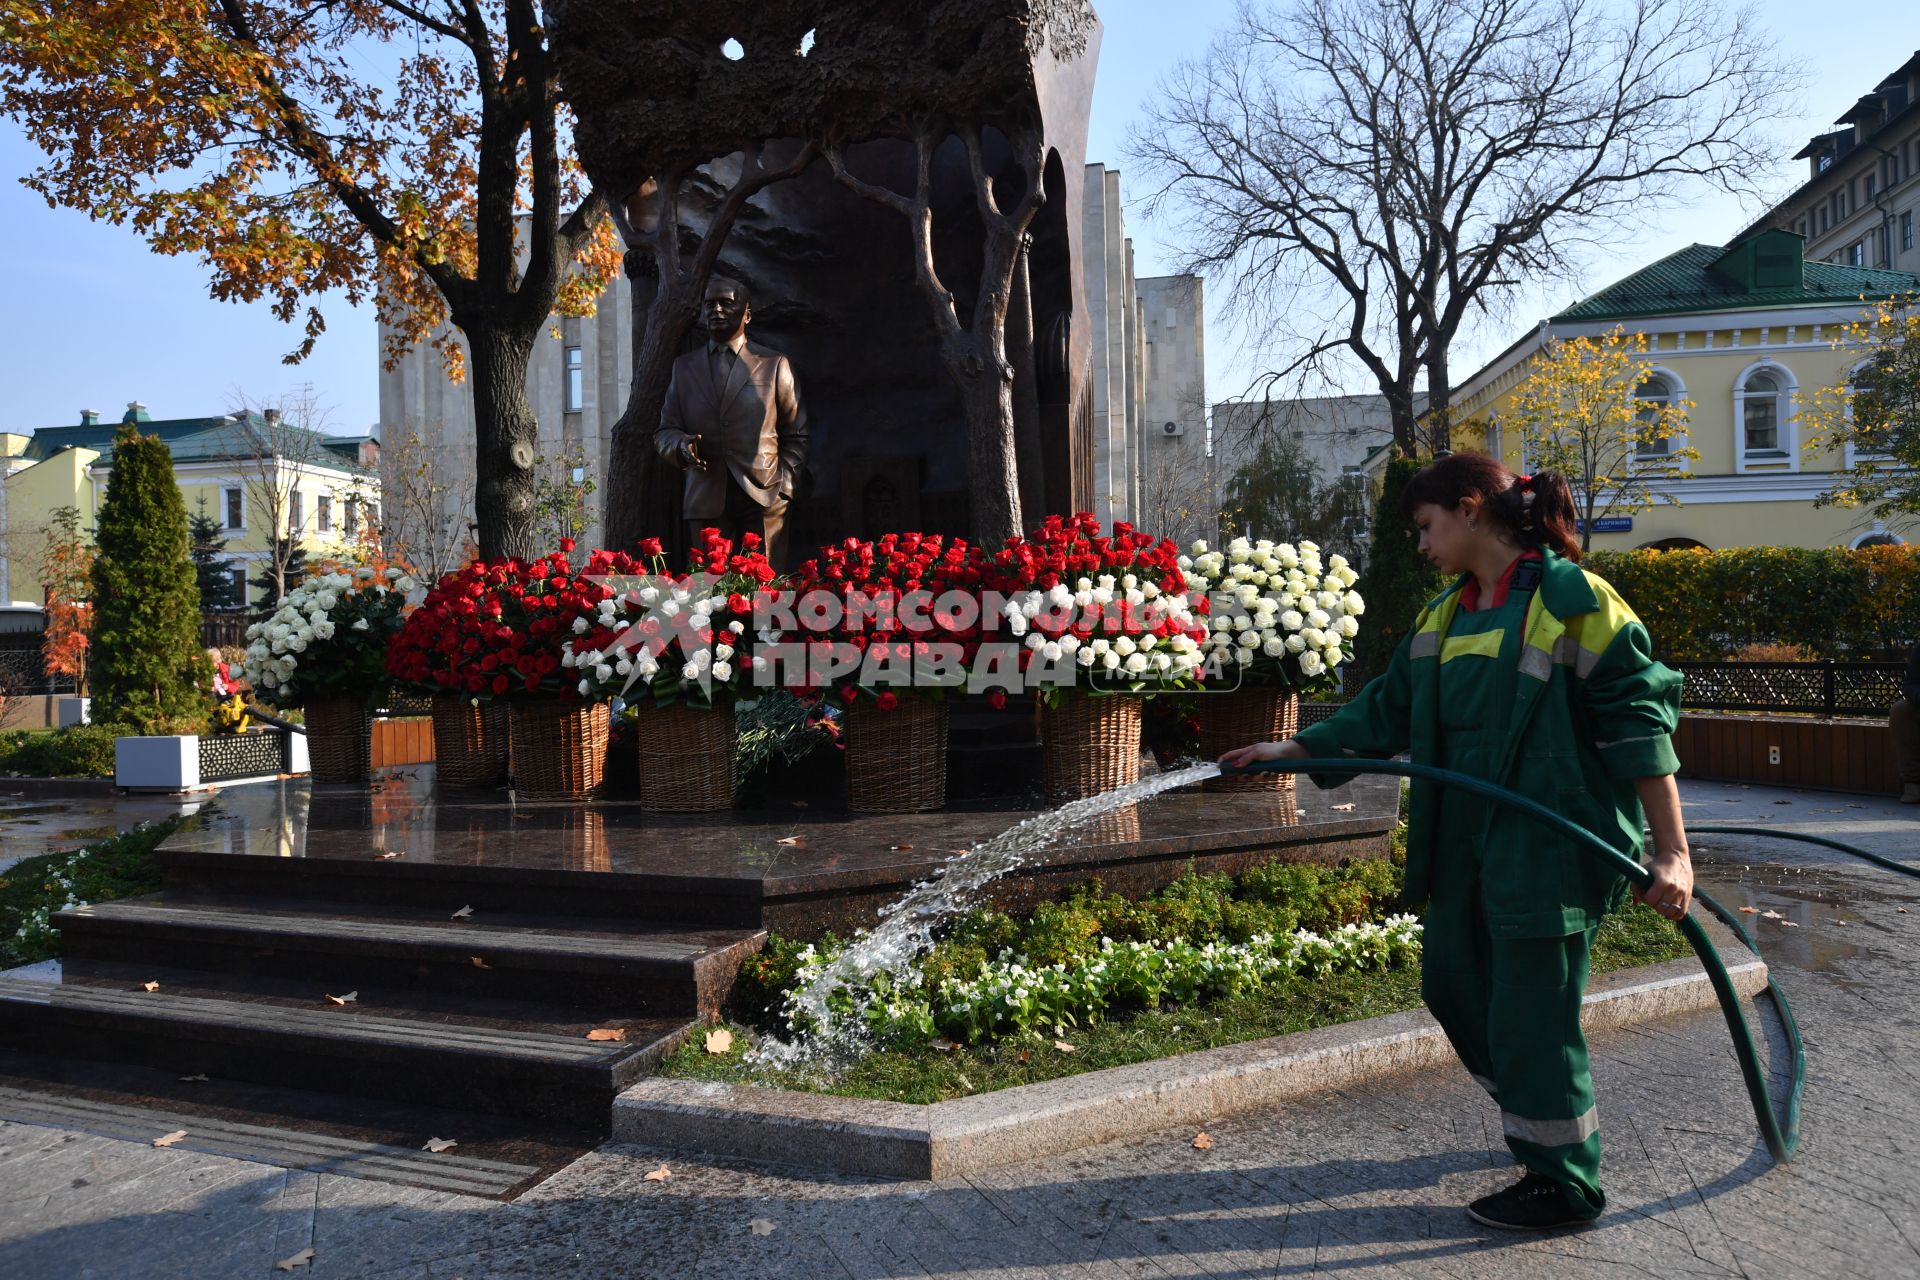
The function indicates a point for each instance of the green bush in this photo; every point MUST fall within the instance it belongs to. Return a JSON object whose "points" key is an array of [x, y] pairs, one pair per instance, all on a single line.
{"points": [[1701, 606], [145, 664], [33, 889], [78, 751]]}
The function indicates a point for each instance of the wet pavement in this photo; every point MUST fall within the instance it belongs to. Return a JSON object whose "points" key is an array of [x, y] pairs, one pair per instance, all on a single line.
{"points": [[1366, 1182], [30, 827]]}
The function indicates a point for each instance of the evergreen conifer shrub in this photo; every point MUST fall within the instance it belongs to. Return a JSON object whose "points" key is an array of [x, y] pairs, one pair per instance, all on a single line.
{"points": [[147, 671], [1397, 582]]}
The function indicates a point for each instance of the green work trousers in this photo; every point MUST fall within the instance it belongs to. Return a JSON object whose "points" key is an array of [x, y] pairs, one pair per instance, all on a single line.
{"points": [[1511, 1007]]}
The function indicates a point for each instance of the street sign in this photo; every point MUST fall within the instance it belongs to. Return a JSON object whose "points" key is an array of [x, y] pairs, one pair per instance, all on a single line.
{"points": [[1610, 524]]}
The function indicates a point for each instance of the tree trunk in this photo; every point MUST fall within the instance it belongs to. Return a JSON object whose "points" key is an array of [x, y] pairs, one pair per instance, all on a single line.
{"points": [[506, 438], [1439, 397], [993, 480], [1029, 452], [643, 489]]}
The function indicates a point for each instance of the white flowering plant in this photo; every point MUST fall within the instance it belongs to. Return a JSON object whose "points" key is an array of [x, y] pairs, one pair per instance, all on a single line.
{"points": [[328, 637], [1009, 996], [1276, 612]]}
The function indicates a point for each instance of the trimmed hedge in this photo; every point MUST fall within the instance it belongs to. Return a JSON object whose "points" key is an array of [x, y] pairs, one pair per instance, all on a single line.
{"points": [[1702, 606]]}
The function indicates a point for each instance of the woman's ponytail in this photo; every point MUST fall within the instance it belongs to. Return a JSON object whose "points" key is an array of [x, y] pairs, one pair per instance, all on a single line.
{"points": [[1537, 509]]}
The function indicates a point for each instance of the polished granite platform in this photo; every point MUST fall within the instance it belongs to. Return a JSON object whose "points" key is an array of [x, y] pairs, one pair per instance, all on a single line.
{"points": [[796, 870]]}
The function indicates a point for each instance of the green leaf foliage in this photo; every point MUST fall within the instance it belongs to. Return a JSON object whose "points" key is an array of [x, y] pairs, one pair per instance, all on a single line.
{"points": [[147, 670], [1703, 606]]}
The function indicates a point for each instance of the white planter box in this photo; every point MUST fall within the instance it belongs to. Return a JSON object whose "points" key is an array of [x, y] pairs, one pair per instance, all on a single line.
{"points": [[170, 763], [72, 711]]}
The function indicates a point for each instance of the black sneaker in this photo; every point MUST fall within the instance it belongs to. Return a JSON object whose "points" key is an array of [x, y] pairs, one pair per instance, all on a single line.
{"points": [[1535, 1203]]}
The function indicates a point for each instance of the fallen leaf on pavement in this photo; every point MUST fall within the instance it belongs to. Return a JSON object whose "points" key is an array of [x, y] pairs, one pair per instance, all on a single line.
{"points": [[381, 855], [719, 1040], [966, 1083], [437, 1145], [149, 986], [1752, 911], [941, 1044], [1064, 1047], [1023, 1056], [1783, 802], [797, 842], [192, 1079], [607, 1033], [294, 1263], [348, 998], [168, 1139], [1788, 924], [1203, 1143], [1771, 915], [478, 963], [463, 913], [762, 1226], [1901, 910], [1340, 808], [658, 1175], [900, 848], [1840, 924]]}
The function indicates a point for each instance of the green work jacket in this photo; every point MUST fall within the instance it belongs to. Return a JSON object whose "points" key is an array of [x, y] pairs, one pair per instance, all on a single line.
{"points": [[1588, 710]]}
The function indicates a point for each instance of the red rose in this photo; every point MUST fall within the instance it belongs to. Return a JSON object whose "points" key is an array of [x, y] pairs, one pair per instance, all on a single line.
{"points": [[566, 546], [887, 700], [501, 684]]}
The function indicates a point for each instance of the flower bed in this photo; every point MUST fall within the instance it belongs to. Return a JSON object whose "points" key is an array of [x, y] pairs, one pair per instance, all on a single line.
{"points": [[1097, 980], [32, 890]]}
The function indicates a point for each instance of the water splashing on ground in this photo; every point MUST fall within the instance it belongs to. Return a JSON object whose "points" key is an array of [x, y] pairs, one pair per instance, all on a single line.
{"points": [[837, 1035]]}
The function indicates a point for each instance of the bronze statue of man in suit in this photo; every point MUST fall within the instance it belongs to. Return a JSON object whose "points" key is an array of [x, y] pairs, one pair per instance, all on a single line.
{"points": [[733, 421]]}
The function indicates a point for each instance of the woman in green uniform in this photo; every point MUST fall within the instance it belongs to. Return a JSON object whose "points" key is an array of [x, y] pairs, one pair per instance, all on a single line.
{"points": [[1533, 674]]}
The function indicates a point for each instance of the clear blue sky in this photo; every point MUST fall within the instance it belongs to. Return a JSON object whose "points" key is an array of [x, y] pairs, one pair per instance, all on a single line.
{"points": [[89, 318]]}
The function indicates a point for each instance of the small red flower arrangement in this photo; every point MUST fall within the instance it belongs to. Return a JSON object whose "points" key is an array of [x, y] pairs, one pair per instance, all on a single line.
{"points": [[499, 628]]}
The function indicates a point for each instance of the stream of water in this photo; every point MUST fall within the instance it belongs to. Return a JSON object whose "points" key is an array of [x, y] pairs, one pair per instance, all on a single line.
{"points": [[905, 930]]}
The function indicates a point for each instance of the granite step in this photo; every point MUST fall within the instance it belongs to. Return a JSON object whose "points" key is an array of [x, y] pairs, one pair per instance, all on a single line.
{"points": [[488, 955], [506, 1063]]}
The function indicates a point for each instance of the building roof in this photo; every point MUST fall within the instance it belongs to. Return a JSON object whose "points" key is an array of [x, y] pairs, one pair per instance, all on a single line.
{"points": [[208, 439], [1869, 115], [1706, 277]]}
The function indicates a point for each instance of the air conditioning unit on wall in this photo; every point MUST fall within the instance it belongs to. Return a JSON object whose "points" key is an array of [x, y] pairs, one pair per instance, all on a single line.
{"points": [[1172, 429]]}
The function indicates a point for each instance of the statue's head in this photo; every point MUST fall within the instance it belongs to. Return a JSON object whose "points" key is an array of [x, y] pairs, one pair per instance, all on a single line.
{"points": [[726, 308]]}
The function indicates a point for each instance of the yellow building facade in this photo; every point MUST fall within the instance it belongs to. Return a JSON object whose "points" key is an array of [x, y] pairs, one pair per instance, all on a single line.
{"points": [[238, 469], [1748, 334]]}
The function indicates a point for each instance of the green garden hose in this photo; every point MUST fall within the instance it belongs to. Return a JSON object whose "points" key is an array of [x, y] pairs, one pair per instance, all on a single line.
{"points": [[1782, 1136]]}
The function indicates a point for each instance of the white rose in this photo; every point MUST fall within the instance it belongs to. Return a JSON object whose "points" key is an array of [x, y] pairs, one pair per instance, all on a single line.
{"points": [[1315, 637], [721, 652], [1333, 655], [1110, 660], [360, 624], [1319, 618], [723, 671], [1249, 640], [1137, 664], [690, 672], [737, 627], [1310, 664], [1051, 651], [1353, 604], [1124, 646], [1162, 662], [602, 672], [1295, 644], [699, 622], [1099, 646], [1347, 627], [1292, 620], [584, 688], [1273, 647], [579, 626], [323, 629], [297, 643], [1069, 643], [1084, 656], [624, 667]]}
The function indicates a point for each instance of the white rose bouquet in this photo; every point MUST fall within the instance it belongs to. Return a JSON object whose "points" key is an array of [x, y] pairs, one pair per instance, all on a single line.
{"points": [[1276, 612], [327, 638]]}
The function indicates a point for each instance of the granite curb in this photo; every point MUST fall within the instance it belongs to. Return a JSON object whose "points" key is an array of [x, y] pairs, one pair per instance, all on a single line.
{"points": [[985, 1131]]}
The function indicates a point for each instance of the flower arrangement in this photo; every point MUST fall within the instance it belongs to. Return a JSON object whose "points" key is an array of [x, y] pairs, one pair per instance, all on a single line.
{"points": [[1279, 615], [500, 628], [328, 637], [1010, 996], [667, 638], [1116, 607], [896, 598]]}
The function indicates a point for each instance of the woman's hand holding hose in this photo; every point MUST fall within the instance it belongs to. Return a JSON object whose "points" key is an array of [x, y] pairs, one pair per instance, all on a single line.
{"points": [[1240, 757]]}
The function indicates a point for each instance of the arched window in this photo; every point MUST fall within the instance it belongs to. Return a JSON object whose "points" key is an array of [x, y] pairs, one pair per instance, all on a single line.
{"points": [[1764, 415], [1654, 395], [1761, 421], [1865, 444]]}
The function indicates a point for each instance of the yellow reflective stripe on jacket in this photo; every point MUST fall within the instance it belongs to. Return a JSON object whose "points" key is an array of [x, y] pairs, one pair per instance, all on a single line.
{"points": [[1596, 630], [1484, 645]]}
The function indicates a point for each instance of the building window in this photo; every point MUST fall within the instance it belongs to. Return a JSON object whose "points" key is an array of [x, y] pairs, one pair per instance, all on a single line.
{"points": [[323, 510], [296, 512], [1654, 395], [1857, 253], [576, 381], [236, 508], [353, 516], [1824, 220], [239, 600], [1906, 230], [1865, 444], [1763, 417]]}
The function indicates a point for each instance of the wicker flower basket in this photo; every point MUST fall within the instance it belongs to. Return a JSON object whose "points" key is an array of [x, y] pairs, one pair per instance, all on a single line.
{"points": [[1238, 718], [1090, 744], [686, 758], [897, 757], [340, 739], [561, 749], [469, 742]]}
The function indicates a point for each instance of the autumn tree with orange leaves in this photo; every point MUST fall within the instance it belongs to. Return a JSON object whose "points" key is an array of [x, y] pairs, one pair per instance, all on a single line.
{"points": [[251, 134]]}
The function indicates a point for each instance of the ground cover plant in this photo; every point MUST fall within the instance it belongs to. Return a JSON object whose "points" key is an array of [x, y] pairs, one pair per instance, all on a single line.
{"points": [[1098, 980], [32, 890]]}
